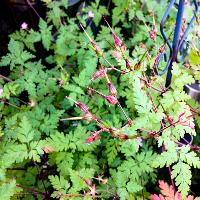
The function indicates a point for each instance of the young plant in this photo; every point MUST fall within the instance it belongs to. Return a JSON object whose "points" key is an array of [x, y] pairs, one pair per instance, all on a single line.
{"points": [[97, 123]]}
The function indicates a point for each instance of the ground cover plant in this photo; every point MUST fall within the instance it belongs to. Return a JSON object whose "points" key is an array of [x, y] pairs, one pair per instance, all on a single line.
{"points": [[85, 113]]}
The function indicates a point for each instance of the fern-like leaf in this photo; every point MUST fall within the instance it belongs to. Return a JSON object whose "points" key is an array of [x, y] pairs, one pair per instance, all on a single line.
{"points": [[169, 193]]}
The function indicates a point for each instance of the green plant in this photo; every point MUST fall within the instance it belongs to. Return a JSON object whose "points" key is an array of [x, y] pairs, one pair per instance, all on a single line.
{"points": [[169, 193], [130, 124]]}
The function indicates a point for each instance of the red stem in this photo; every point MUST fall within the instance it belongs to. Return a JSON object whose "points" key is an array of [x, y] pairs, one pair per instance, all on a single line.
{"points": [[29, 3], [150, 86], [32, 190], [153, 104], [172, 180]]}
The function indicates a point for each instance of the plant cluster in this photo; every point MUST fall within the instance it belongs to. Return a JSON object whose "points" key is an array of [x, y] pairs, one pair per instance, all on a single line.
{"points": [[97, 122]]}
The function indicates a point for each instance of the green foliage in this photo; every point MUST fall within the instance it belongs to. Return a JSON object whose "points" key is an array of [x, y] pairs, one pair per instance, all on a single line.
{"points": [[59, 184], [129, 174], [182, 174], [121, 10], [17, 56], [7, 189], [45, 153], [45, 32]]}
